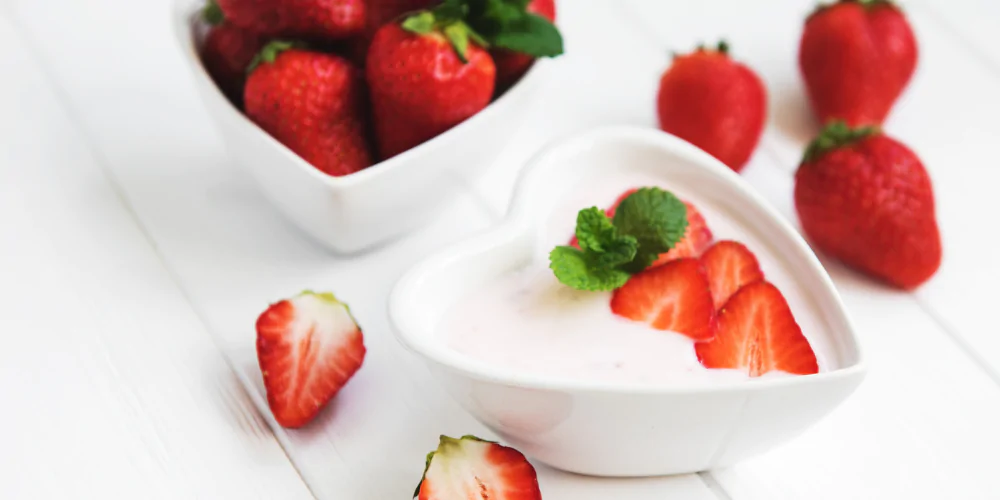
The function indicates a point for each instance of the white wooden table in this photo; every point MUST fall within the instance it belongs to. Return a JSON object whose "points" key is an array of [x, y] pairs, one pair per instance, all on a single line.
{"points": [[134, 258]]}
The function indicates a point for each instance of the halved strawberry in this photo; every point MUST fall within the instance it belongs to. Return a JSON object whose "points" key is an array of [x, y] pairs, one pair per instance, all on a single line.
{"points": [[308, 347], [729, 265], [674, 296], [696, 238], [471, 468], [757, 333]]}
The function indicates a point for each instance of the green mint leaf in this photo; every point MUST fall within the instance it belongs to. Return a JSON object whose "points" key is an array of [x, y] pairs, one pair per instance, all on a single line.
{"points": [[656, 219], [599, 239], [576, 269], [530, 34], [421, 23]]}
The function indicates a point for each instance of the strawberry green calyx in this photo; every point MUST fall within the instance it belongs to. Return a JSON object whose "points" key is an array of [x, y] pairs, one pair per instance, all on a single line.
{"points": [[722, 47], [450, 24], [270, 52], [836, 135], [212, 13]]}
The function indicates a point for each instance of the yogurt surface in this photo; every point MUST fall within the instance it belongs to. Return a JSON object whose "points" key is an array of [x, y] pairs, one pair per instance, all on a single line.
{"points": [[528, 322]]}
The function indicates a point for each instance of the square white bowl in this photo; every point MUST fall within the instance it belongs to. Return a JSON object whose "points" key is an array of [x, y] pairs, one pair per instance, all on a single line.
{"points": [[358, 211], [614, 429]]}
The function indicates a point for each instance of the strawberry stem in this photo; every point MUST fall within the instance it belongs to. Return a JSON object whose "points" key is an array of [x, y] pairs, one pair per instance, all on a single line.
{"points": [[837, 135]]}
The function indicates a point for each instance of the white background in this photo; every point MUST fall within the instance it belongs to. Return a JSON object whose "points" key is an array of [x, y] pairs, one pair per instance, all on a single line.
{"points": [[134, 259]]}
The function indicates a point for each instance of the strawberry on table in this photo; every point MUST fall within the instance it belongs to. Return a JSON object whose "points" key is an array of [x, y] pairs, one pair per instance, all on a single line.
{"points": [[309, 19], [729, 266], [469, 467], [308, 347], [856, 57], [313, 103], [425, 75], [757, 333], [867, 200], [674, 297], [226, 53], [715, 103]]}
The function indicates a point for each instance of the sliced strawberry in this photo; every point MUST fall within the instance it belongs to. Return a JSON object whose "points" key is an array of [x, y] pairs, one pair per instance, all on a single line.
{"points": [[308, 347], [758, 333], [471, 468], [729, 266], [674, 296], [697, 237]]}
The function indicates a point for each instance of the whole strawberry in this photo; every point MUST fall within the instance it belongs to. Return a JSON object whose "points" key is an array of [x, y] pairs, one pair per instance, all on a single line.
{"points": [[226, 53], [425, 75], [313, 103], [310, 19], [715, 103], [856, 57], [866, 199], [512, 65]]}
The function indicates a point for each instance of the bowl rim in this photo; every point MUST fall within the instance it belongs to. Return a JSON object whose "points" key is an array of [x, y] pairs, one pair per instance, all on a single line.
{"points": [[186, 18], [518, 221]]}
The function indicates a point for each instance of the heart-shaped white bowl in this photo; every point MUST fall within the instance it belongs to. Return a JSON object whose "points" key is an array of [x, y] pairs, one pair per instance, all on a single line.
{"points": [[615, 429], [351, 213]]}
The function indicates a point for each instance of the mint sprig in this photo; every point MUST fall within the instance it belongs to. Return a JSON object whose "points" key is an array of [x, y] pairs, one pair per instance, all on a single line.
{"points": [[646, 223], [508, 24]]}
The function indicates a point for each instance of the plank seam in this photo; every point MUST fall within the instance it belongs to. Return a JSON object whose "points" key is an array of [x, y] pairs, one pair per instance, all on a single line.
{"points": [[64, 102]]}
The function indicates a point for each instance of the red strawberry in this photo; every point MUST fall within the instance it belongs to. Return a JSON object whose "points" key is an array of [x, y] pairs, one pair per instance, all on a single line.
{"points": [[715, 103], [866, 199], [422, 84], [674, 296], [314, 103], [226, 53], [856, 58], [476, 469], [308, 347], [696, 238], [757, 333], [312, 19], [511, 66], [729, 266]]}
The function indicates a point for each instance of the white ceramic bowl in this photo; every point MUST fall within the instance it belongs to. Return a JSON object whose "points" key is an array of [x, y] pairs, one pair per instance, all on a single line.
{"points": [[612, 429], [354, 212]]}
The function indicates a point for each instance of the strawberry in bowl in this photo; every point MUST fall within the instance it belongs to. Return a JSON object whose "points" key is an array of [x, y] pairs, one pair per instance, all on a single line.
{"points": [[604, 358], [356, 151]]}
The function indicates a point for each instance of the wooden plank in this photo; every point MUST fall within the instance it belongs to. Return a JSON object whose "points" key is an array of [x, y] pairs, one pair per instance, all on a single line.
{"points": [[233, 255], [111, 385]]}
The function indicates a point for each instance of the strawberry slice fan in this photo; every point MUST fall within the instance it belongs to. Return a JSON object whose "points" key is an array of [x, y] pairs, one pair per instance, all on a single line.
{"points": [[655, 253]]}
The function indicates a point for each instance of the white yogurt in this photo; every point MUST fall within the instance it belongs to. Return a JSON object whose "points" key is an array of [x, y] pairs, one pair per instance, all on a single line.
{"points": [[528, 322]]}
